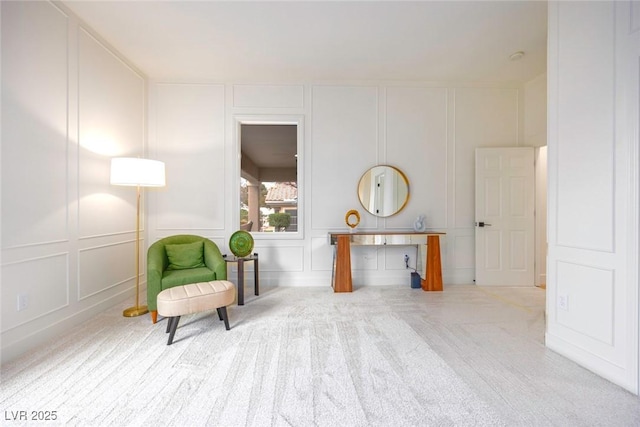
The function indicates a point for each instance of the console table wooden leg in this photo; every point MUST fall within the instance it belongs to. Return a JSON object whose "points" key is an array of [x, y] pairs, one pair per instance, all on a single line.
{"points": [[433, 281], [342, 276]]}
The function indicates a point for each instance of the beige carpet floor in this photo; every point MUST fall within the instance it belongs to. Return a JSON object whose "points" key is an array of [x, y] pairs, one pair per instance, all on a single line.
{"points": [[380, 356]]}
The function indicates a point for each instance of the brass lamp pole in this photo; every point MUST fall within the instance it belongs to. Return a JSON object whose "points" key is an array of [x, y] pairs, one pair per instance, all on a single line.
{"points": [[137, 172], [138, 309]]}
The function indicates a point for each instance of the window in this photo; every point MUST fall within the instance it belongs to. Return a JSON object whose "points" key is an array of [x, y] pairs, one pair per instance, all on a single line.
{"points": [[269, 176]]}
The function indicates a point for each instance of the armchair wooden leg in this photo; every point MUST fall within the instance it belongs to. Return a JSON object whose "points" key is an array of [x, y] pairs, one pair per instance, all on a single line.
{"points": [[154, 316]]}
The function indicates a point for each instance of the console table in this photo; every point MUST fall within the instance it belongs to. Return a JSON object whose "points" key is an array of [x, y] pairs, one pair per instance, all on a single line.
{"points": [[341, 276]]}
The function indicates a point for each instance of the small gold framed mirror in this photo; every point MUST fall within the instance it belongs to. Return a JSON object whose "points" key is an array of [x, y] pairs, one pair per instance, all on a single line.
{"points": [[352, 218]]}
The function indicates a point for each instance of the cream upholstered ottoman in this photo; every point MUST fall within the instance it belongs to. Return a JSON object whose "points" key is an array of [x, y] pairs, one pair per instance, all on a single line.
{"points": [[194, 298]]}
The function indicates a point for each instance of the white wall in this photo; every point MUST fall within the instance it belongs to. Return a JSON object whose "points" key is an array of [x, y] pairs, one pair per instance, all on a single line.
{"points": [[429, 131], [593, 78], [535, 134], [541, 216], [535, 108], [69, 104]]}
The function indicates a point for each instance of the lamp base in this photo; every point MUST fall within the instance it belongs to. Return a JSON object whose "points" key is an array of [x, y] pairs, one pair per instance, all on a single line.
{"points": [[135, 311]]}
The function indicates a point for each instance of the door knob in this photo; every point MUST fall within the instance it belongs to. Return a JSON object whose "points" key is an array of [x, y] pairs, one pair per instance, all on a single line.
{"points": [[482, 224]]}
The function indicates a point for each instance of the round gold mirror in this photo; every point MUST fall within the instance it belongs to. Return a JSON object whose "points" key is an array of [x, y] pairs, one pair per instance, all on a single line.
{"points": [[383, 190]]}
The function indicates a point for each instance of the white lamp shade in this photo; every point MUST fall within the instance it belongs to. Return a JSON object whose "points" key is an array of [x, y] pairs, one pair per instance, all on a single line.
{"points": [[134, 171]]}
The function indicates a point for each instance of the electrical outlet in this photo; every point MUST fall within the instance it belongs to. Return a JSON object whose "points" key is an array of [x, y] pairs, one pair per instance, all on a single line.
{"points": [[563, 302], [23, 302]]}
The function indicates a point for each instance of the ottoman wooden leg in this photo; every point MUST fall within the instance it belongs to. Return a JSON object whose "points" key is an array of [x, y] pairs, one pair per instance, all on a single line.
{"points": [[219, 313], [171, 328], [223, 312]]}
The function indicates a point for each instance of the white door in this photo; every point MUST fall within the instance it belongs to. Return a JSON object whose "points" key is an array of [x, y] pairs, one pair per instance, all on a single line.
{"points": [[505, 197]]}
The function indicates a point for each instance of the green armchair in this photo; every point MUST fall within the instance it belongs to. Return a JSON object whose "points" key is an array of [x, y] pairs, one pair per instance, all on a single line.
{"points": [[180, 260]]}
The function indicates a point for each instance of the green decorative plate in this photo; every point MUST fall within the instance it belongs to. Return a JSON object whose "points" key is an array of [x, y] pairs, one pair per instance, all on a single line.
{"points": [[241, 243]]}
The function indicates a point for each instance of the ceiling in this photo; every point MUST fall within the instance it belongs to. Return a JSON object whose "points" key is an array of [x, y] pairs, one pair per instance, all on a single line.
{"points": [[304, 41], [321, 41]]}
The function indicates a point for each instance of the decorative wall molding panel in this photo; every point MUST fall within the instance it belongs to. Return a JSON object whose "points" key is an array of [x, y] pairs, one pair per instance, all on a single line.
{"points": [[25, 279], [592, 280], [73, 103], [268, 96]]}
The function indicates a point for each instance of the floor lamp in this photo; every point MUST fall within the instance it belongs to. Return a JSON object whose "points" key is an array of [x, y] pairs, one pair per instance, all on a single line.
{"points": [[138, 173]]}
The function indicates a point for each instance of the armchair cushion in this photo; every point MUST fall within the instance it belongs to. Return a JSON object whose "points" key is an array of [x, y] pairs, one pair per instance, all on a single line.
{"points": [[173, 278], [186, 255]]}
